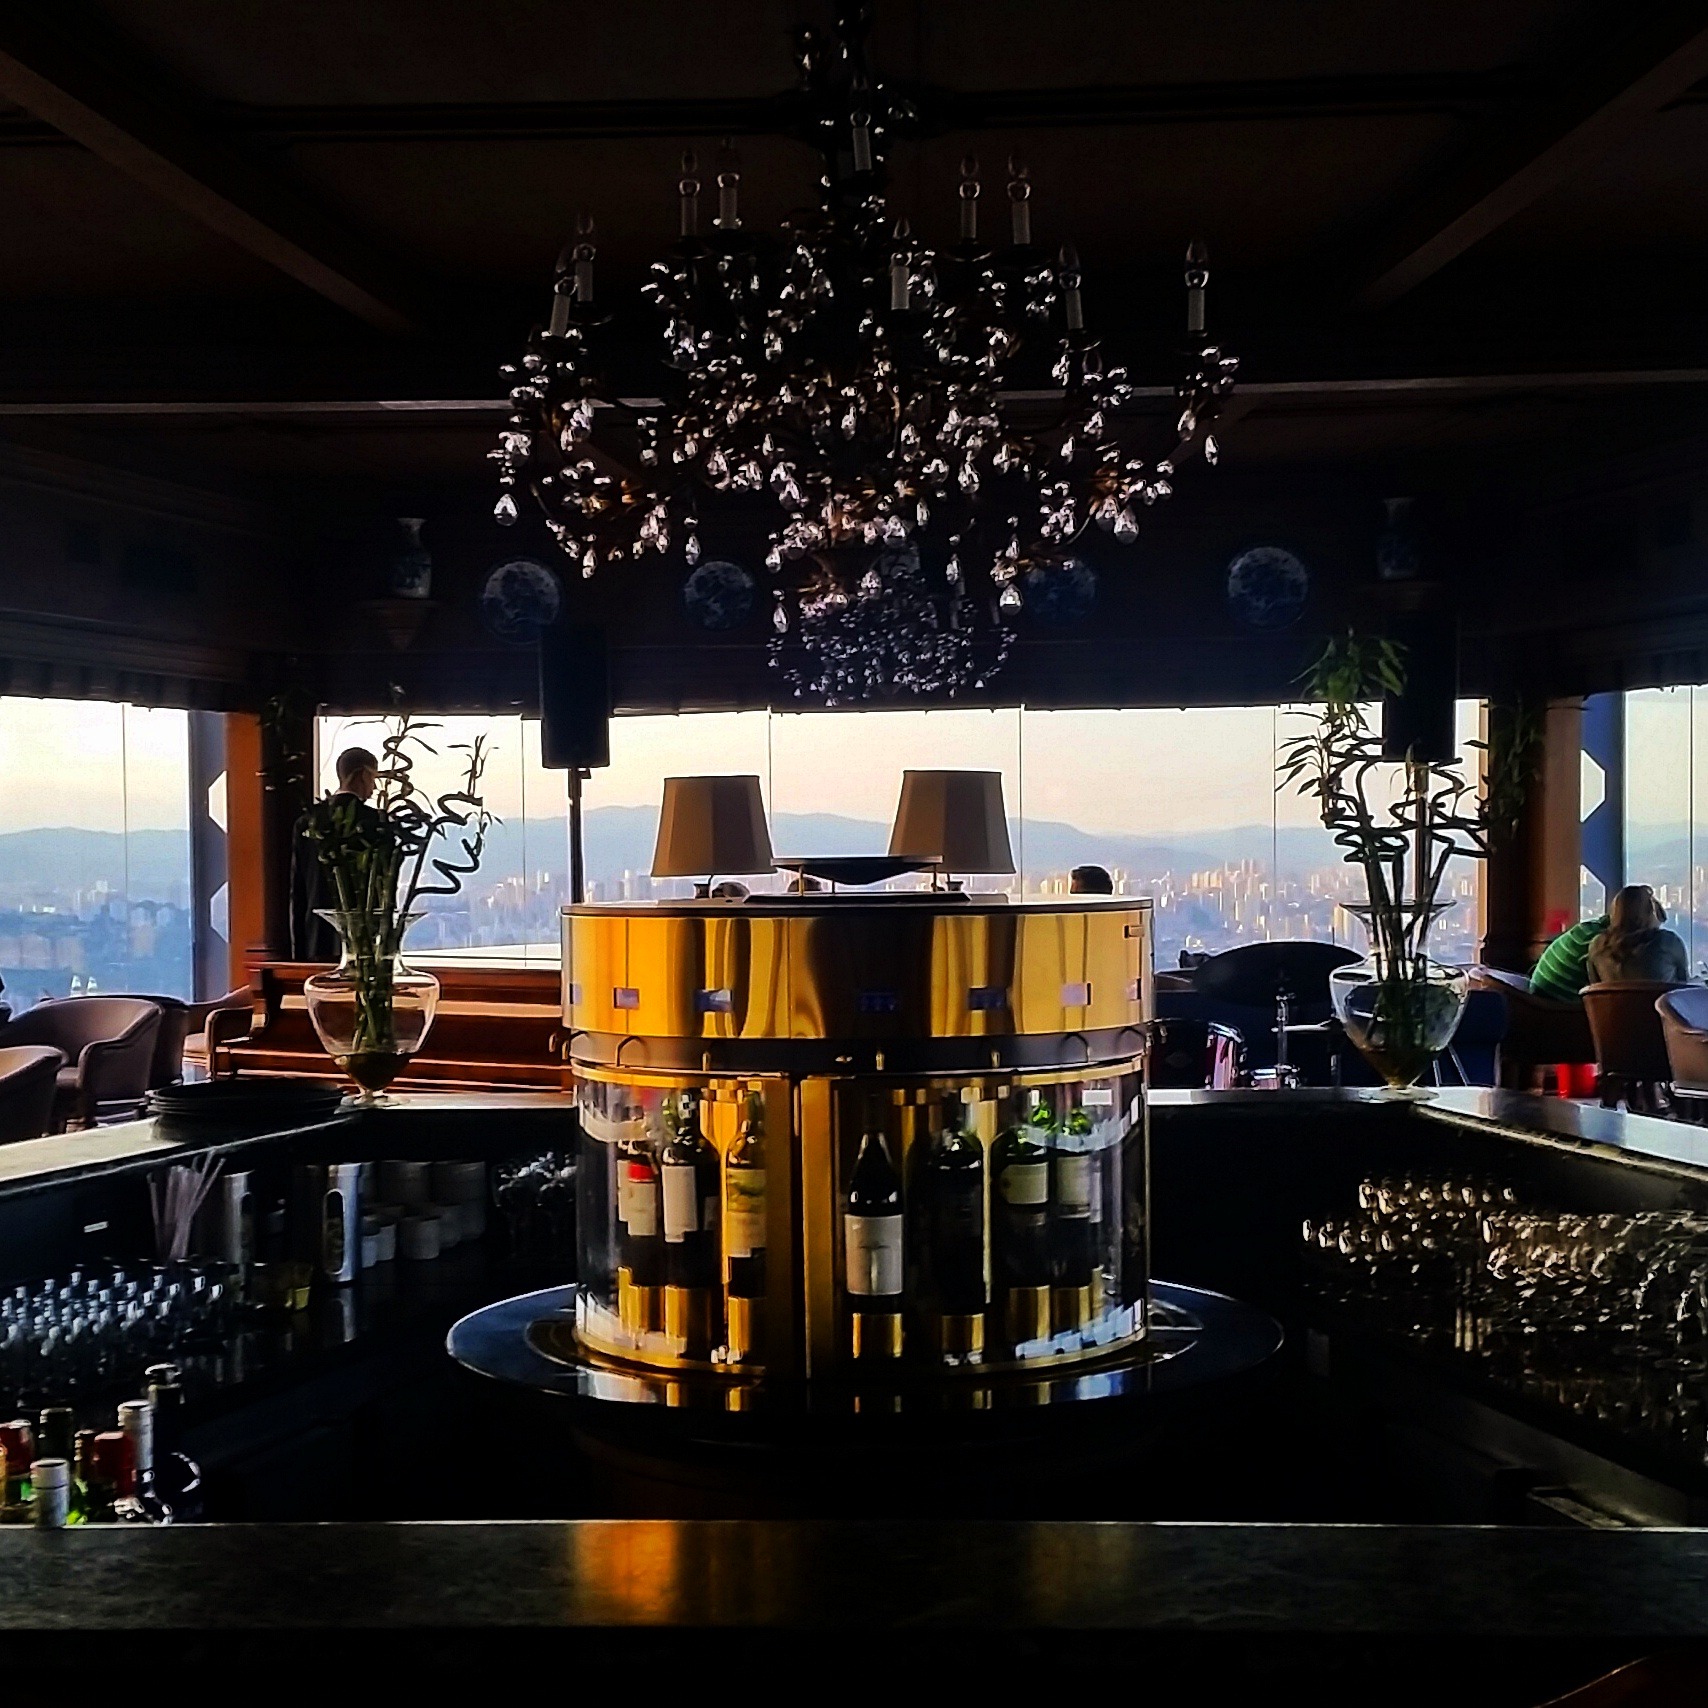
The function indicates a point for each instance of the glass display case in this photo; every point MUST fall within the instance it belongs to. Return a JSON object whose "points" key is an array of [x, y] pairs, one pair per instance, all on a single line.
{"points": [[831, 1137], [747, 1222]]}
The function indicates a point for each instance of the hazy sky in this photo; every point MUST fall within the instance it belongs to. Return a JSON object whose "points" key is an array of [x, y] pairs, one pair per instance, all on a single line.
{"points": [[85, 762], [1134, 772]]}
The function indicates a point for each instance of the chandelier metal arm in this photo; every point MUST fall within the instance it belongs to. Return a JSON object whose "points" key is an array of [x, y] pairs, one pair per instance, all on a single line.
{"points": [[854, 381]]}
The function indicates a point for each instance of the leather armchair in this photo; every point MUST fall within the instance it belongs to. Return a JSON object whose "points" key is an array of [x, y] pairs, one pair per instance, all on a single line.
{"points": [[1684, 1025], [1539, 1031], [1630, 1046], [108, 1043], [29, 1077]]}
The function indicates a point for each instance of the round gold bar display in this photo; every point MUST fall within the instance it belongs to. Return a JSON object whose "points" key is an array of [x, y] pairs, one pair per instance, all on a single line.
{"points": [[828, 1135]]}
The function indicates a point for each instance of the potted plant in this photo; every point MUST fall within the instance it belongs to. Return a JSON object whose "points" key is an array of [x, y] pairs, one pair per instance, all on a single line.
{"points": [[1399, 1006], [380, 858]]}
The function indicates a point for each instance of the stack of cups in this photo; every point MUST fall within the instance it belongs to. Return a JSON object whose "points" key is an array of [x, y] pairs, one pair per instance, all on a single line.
{"points": [[459, 1194]]}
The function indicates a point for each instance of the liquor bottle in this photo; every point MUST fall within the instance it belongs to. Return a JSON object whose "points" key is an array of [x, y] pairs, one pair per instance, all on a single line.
{"points": [[136, 1421], [83, 1487], [744, 1229], [688, 1166], [17, 1454], [640, 1231], [1076, 1217], [55, 1433], [112, 1480], [873, 1249], [1020, 1205], [946, 1209], [176, 1475]]}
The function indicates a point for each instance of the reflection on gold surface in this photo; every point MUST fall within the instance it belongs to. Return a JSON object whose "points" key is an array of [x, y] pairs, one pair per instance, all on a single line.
{"points": [[855, 972]]}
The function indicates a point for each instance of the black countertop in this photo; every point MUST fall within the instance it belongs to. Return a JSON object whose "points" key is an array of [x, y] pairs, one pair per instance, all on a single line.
{"points": [[759, 1575]]}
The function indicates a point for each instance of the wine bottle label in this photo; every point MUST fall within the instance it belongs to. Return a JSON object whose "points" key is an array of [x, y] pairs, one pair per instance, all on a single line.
{"points": [[1025, 1182], [744, 1212], [681, 1200], [873, 1255], [1077, 1186], [637, 1199]]}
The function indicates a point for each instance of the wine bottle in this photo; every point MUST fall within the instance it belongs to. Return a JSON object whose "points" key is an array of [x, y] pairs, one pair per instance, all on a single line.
{"points": [[177, 1476], [83, 1488], [1076, 1214], [1020, 1204], [947, 1212], [688, 1166], [640, 1229], [744, 1227], [17, 1454], [55, 1433], [873, 1249], [136, 1421]]}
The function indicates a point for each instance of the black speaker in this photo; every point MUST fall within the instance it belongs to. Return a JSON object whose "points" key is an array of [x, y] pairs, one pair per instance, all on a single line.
{"points": [[575, 700], [1419, 723]]}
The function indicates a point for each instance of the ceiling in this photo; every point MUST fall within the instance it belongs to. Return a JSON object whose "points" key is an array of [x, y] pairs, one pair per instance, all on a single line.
{"points": [[275, 244]]}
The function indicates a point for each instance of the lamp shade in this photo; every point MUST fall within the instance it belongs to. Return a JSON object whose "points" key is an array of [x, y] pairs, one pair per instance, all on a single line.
{"points": [[711, 824], [955, 818]]}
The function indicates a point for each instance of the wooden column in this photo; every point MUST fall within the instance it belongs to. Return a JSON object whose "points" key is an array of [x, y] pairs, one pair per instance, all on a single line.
{"points": [[1532, 884], [246, 860]]}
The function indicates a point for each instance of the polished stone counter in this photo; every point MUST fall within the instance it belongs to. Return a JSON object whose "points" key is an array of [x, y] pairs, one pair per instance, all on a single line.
{"points": [[61, 1159], [736, 1575]]}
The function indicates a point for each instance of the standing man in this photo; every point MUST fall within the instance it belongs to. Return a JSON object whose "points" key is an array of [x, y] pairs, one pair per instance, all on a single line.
{"points": [[312, 939]]}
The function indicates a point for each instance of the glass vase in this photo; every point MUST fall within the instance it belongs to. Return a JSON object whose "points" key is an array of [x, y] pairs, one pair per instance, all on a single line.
{"points": [[372, 1011], [1401, 1014]]}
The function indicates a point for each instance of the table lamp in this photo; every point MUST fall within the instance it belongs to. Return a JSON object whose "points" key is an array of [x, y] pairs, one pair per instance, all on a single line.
{"points": [[954, 817], [710, 825]]}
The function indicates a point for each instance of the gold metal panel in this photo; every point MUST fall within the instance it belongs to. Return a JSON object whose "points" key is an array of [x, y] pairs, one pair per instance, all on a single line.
{"points": [[859, 974], [855, 972], [820, 1223], [974, 953], [1117, 950], [596, 967]]}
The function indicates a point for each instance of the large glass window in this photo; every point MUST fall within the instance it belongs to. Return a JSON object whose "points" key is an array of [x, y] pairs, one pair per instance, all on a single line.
{"points": [[1181, 806], [1666, 805], [94, 849]]}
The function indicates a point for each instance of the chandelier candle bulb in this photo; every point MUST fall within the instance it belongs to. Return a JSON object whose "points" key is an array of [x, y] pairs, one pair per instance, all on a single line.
{"points": [[969, 200], [689, 188], [1020, 206]]}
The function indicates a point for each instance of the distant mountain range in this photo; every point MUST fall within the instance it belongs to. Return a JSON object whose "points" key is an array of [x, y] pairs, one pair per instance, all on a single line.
{"points": [[39, 865], [620, 839], [42, 864]]}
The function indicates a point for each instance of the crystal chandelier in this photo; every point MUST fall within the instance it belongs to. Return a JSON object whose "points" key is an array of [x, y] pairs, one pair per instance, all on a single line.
{"points": [[914, 432]]}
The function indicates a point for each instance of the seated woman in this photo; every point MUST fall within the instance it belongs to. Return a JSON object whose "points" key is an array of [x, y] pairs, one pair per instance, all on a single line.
{"points": [[1636, 945]]}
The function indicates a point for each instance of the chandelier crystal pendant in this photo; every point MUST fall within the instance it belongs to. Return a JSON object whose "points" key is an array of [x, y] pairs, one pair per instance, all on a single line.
{"points": [[910, 431]]}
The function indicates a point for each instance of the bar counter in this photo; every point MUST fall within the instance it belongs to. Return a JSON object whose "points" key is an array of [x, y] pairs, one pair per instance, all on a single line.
{"points": [[1601, 1560]]}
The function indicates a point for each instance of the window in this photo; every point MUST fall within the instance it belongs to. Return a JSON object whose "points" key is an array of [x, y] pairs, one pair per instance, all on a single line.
{"points": [[94, 849], [1180, 806], [1666, 805]]}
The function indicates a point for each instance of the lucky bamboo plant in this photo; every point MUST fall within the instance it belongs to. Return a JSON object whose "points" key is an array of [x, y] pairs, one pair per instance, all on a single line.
{"points": [[380, 858], [1402, 843]]}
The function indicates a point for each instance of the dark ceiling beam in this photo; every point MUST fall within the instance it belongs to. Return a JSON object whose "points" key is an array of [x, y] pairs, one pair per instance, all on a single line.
{"points": [[1618, 91], [429, 411], [125, 117], [941, 110]]}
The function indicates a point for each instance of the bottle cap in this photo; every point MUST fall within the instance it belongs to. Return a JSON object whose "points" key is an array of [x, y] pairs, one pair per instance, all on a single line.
{"points": [[50, 1474], [161, 1373], [165, 1392], [53, 1431]]}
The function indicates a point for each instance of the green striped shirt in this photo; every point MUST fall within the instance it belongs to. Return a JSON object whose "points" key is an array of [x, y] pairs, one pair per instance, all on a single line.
{"points": [[1563, 970]]}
